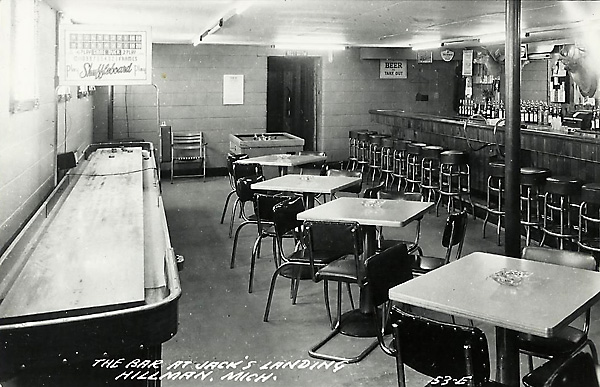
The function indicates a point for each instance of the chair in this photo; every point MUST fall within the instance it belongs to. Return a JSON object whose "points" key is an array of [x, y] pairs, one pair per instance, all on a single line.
{"points": [[239, 171], [413, 246], [245, 195], [296, 265], [231, 158], [344, 241], [445, 351], [453, 236], [576, 371], [355, 189], [188, 148], [263, 209], [570, 339], [383, 271], [317, 168], [372, 192]]}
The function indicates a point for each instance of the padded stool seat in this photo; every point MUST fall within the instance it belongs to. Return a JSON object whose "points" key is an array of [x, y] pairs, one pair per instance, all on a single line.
{"points": [[561, 192], [532, 183], [495, 196], [430, 167], [455, 179]]}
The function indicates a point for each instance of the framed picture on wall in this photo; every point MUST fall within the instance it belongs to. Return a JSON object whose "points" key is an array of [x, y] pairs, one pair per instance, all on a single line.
{"points": [[425, 56]]}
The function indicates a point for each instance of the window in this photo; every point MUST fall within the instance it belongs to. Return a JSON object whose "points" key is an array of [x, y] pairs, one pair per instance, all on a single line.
{"points": [[24, 94]]}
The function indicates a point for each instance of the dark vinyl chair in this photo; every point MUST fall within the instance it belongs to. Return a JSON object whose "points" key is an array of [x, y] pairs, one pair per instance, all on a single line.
{"points": [[441, 350], [570, 339], [355, 189], [231, 158], [317, 168], [383, 271], [576, 371], [239, 171], [295, 265], [413, 246], [372, 192], [245, 194], [453, 239], [263, 210], [345, 241]]}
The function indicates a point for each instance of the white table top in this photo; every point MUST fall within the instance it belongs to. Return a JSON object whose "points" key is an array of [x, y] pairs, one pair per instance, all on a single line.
{"points": [[368, 212], [307, 183], [282, 160], [548, 299]]}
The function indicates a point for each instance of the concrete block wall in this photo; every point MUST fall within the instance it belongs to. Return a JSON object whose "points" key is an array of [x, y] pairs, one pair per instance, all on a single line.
{"points": [[190, 84]]}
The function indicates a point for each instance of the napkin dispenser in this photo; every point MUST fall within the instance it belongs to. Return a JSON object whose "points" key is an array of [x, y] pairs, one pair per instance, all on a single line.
{"points": [[581, 120]]}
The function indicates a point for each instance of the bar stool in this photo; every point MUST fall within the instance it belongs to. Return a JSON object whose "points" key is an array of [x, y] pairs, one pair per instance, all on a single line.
{"points": [[387, 160], [589, 219], [352, 149], [363, 151], [375, 155], [561, 192], [413, 166], [532, 185], [400, 147], [430, 171], [494, 204], [455, 179]]}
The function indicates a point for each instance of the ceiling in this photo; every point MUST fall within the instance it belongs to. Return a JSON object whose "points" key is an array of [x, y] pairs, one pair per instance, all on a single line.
{"points": [[355, 23]]}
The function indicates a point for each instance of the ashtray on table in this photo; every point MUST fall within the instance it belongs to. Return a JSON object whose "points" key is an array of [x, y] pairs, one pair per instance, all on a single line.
{"points": [[510, 277]]}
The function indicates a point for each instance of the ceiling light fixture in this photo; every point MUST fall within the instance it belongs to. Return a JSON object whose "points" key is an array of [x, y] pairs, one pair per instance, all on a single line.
{"points": [[309, 46], [426, 45], [222, 20], [459, 42]]}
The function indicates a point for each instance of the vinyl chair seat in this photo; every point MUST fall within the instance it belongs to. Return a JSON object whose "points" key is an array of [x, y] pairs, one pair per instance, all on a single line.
{"points": [[423, 264], [565, 342], [342, 269], [576, 371]]}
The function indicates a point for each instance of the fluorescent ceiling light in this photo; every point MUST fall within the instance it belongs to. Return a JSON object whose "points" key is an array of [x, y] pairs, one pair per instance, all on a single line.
{"points": [[309, 46], [426, 45]]}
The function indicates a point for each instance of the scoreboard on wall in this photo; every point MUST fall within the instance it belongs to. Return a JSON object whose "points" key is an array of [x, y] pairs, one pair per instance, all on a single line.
{"points": [[105, 55]]}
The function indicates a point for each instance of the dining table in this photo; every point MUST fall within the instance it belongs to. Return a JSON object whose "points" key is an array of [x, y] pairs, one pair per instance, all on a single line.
{"points": [[369, 214], [282, 161], [307, 185], [512, 294]]}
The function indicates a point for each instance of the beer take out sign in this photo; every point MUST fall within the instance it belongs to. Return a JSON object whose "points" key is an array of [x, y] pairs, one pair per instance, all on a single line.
{"points": [[392, 69]]}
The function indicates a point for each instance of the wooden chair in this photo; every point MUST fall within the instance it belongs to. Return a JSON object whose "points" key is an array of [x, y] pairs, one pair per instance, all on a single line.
{"points": [[188, 148], [576, 371], [451, 354], [571, 339]]}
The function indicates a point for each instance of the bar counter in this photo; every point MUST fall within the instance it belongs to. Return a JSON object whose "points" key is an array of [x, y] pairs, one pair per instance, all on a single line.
{"points": [[564, 153]]}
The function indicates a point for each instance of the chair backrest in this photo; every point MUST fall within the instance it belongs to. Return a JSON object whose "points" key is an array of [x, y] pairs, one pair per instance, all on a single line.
{"points": [[372, 193], [576, 259], [339, 238], [231, 159], [244, 170], [187, 145], [285, 218], [243, 188], [454, 234], [439, 349], [316, 168], [383, 271], [340, 172], [263, 206], [577, 371]]}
